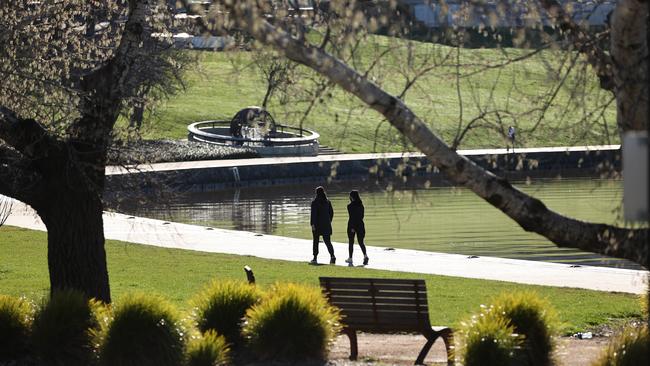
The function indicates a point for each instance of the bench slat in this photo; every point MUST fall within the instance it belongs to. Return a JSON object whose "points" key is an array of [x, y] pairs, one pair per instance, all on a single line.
{"points": [[381, 293], [379, 286], [334, 280], [344, 301], [403, 323], [390, 328], [382, 307], [383, 313]]}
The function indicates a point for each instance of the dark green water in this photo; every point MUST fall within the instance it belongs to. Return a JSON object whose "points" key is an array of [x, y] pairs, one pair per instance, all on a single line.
{"points": [[440, 219]]}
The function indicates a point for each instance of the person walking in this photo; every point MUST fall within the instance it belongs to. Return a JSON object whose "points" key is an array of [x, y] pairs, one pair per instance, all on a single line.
{"points": [[356, 226], [321, 223], [512, 132]]}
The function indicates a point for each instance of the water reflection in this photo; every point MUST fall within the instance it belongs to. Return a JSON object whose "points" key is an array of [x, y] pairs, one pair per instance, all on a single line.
{"points": [[405, 215]]}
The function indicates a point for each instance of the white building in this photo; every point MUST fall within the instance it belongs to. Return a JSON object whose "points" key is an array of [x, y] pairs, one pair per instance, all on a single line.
{"points": [[500, 13]]}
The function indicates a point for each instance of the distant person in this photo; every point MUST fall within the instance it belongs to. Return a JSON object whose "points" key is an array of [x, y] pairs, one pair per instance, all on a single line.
{"points": [[356, 226], [511, 136], [321, 223]]}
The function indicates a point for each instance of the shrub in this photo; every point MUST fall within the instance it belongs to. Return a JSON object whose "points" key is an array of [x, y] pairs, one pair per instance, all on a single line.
{"points": [[488, 340], [293, 323], [535, 320], [62, 329], [629, 348], [145, 330], [221, 306], [16, 315], [209, 350]]}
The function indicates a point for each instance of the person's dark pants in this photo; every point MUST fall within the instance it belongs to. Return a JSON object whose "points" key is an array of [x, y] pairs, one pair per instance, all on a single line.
{"points": [[328, 243], [361, 234]]}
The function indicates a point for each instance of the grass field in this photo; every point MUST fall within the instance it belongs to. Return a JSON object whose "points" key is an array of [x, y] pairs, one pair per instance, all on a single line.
{"points": [[179, 274], [221, 83]]}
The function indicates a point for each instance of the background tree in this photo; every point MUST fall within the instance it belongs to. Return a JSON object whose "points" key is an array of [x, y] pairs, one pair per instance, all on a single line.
{"points": [[68, 70], [275, 71]]}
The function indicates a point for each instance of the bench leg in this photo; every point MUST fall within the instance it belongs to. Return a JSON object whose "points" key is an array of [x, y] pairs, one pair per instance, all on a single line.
{"points": [[431, 338], [354, 351], [447, 336]]}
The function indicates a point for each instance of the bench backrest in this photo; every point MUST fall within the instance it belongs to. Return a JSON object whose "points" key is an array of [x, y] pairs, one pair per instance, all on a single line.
{"points": [[375, 304]]}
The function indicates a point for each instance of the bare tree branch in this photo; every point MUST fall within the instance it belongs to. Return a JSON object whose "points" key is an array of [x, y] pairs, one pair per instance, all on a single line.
{"points": [[507, 62], [17, 179], [5, 209], [530, 213], [107, 86], [25, 135]]}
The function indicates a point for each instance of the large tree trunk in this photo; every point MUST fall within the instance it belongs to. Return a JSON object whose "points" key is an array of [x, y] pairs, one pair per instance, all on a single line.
{"points": [[75, 243], [629, 52]]}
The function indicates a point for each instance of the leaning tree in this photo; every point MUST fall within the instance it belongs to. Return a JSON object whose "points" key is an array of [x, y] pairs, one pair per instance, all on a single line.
{"points": [[69, 69], [621, 66]]}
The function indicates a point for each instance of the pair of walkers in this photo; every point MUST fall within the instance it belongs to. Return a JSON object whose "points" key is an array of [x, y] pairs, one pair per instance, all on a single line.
{"points": [[322, 214]]}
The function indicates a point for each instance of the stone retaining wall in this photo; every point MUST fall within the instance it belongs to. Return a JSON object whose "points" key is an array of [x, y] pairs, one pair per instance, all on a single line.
{"points": [[514, 166]]}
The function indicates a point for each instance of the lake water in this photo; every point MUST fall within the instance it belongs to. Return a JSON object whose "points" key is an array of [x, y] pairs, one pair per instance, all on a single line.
{"points": [[409, 215]]}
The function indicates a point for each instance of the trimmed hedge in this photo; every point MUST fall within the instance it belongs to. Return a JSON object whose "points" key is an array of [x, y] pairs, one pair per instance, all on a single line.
{"points": [[221, 306], [16, 316], [145, 331], [64, 328], [294, 322]]}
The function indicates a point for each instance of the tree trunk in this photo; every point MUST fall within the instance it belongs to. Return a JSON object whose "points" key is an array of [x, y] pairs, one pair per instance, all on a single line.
{"points": [[75, 243], [629, 51]]}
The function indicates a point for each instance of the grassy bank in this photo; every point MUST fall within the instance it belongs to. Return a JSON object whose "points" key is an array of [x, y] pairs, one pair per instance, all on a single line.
{"points": [[178, 274], [224, 82]]}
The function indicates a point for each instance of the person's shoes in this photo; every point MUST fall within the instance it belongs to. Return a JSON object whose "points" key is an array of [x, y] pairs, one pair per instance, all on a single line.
{"points": [[313, 261], [365, 260], [349, 262], [333, 260]]}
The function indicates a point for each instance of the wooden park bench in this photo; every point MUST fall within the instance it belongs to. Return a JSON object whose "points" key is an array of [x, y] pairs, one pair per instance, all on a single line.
{"points": [[376, 305]]}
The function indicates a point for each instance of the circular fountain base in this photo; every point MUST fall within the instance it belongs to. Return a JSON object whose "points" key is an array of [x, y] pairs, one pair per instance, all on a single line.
{"points": [[285, 141]]}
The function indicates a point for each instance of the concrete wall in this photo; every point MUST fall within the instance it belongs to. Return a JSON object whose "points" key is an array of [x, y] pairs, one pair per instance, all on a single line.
{"points": [[534, 163]]}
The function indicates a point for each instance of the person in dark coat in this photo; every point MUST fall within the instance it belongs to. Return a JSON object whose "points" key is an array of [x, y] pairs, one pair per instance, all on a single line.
{"points": [[321, 223], [356, 226], [511, 136]]}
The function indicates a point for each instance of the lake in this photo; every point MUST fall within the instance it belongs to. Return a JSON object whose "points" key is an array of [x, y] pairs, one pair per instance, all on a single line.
{"points": [[403, 215]]}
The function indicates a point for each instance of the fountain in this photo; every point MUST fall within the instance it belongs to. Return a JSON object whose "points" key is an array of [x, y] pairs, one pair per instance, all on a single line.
{"points": [[254, 128]]}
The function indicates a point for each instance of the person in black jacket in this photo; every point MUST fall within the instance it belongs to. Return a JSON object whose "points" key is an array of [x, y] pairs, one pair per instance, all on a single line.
{"points": [[356, 226], [321, 223]]}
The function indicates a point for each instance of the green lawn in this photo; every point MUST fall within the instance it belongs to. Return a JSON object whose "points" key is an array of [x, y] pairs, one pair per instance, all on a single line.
{"points": [[178, 274], [221, 83]]}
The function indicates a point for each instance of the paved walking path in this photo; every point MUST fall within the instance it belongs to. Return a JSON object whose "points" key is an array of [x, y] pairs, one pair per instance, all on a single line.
{"points": [[199, 238]]}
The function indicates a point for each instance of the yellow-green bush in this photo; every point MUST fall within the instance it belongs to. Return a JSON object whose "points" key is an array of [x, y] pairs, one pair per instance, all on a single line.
{"points": [[535, 320], [63, 328], [209, 349], [488, 339], [221, 306], [16, 315], [293, 322], [145, 330], [628, 348]]}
